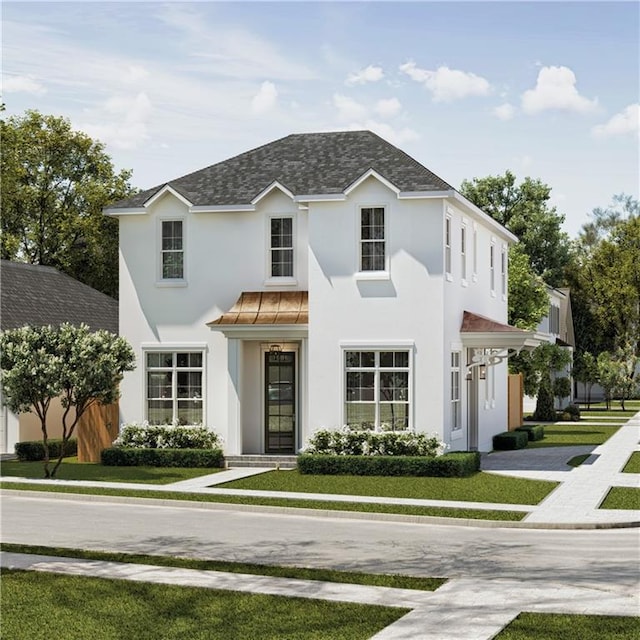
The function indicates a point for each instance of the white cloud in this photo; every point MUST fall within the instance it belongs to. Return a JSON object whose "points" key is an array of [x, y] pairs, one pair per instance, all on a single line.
{"points": [[135, 74], [265, 99], [386, 131], [369, 74], [625, 122], [388, 108], [447, 84], [505, 111], [123, 121], [348, 108], [22, 84], [556, 89]]}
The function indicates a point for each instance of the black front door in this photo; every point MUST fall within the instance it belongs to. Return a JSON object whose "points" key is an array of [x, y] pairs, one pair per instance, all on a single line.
{"points": [[280, 401]]}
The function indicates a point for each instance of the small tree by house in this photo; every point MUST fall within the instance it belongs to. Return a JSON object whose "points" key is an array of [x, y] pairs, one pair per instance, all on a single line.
{"points": [[585, 370], [616, 372], [545, 410], [71, 362], [561, 389]]}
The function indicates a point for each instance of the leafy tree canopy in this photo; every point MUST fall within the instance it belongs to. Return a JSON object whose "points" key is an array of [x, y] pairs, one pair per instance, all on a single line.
{"points": [[55, 183], [528, 297], [524, 210]]}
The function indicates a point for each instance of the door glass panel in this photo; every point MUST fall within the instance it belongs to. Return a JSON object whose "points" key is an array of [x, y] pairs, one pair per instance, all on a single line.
{"points": [[280, 407]]}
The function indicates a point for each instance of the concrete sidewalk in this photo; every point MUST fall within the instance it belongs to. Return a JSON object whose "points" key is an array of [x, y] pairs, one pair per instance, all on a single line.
{"points": [[462, 609]]}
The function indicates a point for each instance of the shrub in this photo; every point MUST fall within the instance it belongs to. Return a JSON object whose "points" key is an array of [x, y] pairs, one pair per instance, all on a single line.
{"points": [[533, 431], [574, 412], [133, 457], [545, 410], [166, 436], [510, 440], [351, 442], [32, 450], [455, 464]]}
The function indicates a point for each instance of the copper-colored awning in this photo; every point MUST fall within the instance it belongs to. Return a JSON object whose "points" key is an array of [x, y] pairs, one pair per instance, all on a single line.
{"points": [[267, 308], [478, 331]]}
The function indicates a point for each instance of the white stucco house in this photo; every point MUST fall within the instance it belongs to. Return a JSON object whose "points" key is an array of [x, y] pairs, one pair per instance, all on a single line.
{"points": [[319, 280]]}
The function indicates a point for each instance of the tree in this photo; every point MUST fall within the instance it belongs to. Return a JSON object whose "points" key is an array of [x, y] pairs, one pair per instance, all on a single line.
{"points": [[561, 389], [545, 411], [525, 211], [71, 362], [607, 375], [528, 297], [585, 370], [55, 184]]}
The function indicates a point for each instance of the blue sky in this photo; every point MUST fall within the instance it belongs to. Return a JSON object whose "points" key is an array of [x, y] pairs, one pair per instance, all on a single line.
{"points": [[546, 89]]}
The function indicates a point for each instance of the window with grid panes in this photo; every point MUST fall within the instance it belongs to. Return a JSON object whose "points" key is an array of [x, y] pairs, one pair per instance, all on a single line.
{"points": [[172, 252], [281, 247], [174, 387], [456, 412], [377, 390], [372, 240]]}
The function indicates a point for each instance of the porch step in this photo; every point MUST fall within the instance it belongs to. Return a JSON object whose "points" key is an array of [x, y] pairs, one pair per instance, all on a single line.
{"points": [[272, 461]]}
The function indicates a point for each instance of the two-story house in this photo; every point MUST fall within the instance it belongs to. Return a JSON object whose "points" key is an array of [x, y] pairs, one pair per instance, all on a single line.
{"points": [[320, 280]]}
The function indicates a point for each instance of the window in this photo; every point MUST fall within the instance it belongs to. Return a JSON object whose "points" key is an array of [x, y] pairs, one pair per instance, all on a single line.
{"points": [[447, 245], [172, 253], [492, 267], [377, 390], [174, 387], [503, 271], [372, 240], [456, 413], [281, 248], [554, 319], [475, 252], [463, 251]]}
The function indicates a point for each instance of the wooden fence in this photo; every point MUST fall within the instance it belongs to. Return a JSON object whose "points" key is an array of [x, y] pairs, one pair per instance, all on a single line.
{"points": [[516, 393], [97, 429]]}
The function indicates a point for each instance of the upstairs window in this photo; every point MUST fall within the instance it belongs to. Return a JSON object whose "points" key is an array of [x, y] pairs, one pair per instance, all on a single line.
{"points": [[372, 239], [463, 251], [172, 252], [503, 271], [447, 245], [281, 248], [492, 267]]}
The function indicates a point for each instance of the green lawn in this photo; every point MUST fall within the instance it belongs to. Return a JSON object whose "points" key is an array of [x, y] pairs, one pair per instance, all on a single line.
{"points": [[622, 498], [633, 464], [40, 605], [71, 469], [480, 487], [323, 505], [565, 435], [302, 573], [545, 626]]}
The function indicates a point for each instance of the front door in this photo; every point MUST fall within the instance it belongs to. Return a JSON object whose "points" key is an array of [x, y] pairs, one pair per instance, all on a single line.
{"points": [[280, 402]]}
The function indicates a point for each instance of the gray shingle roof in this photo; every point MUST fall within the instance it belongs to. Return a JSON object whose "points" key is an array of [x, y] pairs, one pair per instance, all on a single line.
{"points": [[306, 164], [36, 295]]}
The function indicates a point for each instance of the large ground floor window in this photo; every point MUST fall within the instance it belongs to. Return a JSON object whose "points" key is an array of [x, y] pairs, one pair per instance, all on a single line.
{"points": [[377, 389], [174, 387]]}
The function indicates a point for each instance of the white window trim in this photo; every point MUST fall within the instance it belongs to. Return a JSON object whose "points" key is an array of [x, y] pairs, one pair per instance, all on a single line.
{"points": [[171, 282], [171, 347], [458, 370], [448, 250], [464, 252], [504, 271], [400, 345], [474, 276], [372, 275], [280, 281], [492, 267]]}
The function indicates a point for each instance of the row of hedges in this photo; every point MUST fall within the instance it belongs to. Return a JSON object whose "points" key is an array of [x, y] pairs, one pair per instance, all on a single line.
{"points": [[143, 457], [33, 450], [449, 465], [166, 436]]}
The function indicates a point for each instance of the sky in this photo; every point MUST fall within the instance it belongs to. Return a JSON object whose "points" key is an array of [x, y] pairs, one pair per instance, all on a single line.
{"points": [[548, 89]]}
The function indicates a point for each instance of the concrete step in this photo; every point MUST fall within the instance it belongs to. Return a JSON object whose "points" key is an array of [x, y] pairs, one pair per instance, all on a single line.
{"points": [[271, 461]]}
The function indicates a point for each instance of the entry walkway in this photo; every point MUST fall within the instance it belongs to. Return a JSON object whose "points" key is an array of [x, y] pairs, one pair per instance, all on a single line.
{"points": [[462, 609]]}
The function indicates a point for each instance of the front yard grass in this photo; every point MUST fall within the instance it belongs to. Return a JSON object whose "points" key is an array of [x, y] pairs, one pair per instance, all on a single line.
{"points": [[71, 469], [38, 605], [622, 498], [566, 435], [301, 573], [480, 487], [633, 464], [542, 626], [323, 505]]}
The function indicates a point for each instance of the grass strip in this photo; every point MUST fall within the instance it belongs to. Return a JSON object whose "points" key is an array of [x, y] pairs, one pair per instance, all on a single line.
{"points": [[38, 605], [633, 464], [71, 469], [542, 626], [324, 505], [479, 487], [576, 461], [568, 435], [622, 498], [303, 573]]}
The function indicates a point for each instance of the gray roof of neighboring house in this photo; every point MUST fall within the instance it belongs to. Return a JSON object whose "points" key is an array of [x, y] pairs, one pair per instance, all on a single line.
{"points": [[305, 164], [36, 295]]}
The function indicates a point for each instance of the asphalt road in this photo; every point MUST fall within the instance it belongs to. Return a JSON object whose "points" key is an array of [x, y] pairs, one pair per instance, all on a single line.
{"points": [[603, 559]]}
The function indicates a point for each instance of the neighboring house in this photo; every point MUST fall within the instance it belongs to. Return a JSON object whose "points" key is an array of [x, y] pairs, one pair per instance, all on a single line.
{"points": [[319, 280], [37, 296]]}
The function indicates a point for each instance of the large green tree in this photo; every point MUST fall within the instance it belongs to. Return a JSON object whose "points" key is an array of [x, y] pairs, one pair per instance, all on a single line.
{"points": [[525, 210], [73, 363], [528, 297], [55, 183]]}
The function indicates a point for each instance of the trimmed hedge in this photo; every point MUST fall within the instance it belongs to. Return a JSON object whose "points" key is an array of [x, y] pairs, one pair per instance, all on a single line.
{"points": [[449, 465], [129, 457], [33, 450], [534, 431], [508, 440]]}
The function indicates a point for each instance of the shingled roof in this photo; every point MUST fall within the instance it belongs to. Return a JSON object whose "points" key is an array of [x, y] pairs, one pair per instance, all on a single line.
{"points": [[36, 295], [305, 164]]}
